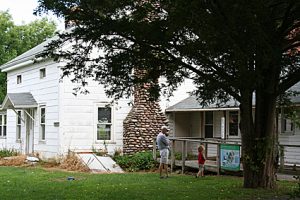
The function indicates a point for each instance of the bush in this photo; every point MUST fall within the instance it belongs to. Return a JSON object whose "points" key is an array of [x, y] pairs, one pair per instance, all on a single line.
{"points": [[8, 153], [136, 162], [296, 192]]}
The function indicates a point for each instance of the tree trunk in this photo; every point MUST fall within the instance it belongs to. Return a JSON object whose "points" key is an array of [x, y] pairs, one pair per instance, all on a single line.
{"points": [[258, 139]]}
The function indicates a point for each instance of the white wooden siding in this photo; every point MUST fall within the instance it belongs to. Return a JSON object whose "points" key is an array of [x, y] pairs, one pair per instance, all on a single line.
{"points": [[79, 118], [46, 92]]}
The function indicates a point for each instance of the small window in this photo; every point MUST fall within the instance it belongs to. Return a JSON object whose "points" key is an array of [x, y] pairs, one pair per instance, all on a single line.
{"points": [[3, 125], [19, 79], [42, 73], [104, 123], [42, 123], [19, 124]]}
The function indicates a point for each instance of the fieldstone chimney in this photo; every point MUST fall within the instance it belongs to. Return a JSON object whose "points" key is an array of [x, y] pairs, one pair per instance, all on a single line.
{"points": [[143, 122]]}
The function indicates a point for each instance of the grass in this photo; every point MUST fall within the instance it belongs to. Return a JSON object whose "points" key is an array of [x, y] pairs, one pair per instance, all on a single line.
{"points": [[36, 183]]}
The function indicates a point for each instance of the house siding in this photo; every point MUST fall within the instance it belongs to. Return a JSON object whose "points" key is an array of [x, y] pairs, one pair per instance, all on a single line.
{"points": [[46, 92], [79, 124]]}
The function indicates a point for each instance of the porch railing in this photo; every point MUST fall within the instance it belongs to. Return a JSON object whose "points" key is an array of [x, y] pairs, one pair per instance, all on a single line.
{"points": [[289, 155]]}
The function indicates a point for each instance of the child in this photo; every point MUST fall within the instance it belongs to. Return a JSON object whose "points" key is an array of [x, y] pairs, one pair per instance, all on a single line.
{"points": [[201, 161]]}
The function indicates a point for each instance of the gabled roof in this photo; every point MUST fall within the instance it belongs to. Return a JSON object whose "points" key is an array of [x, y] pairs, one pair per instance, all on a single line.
{"points": [[19, 101], [29, 55]]}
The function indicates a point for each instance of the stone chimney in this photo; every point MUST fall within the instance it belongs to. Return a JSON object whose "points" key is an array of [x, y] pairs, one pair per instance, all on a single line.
{"points": [[143, 122]]}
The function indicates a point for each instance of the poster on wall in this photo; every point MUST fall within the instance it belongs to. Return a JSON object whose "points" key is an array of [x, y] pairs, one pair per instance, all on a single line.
{"points": [[230, 157]]}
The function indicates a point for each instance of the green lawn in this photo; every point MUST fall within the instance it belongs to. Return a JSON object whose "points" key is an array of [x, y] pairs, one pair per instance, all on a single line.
{"points": [[35, 183]]}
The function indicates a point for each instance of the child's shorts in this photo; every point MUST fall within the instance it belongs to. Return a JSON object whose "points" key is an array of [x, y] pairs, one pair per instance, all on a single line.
{"points": [[201, 166]]}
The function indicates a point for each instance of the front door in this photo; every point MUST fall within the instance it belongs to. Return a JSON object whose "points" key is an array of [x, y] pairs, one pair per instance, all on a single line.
{"points": [[29, 113]]}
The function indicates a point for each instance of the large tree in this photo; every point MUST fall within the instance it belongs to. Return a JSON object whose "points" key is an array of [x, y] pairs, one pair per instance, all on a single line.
{"points": [[245, 49], [16, 39]]}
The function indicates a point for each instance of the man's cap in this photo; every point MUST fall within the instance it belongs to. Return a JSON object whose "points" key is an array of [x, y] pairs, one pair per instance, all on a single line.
{"points": [[165, 127]]}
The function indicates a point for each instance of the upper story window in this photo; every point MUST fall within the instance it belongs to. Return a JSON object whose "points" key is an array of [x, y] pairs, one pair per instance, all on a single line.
{"points": [[2, 125], [42, 73], [104, 123], [19, 79]]}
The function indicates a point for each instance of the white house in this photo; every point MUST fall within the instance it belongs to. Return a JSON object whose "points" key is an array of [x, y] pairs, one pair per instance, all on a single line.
{"points": [[40, 113]]}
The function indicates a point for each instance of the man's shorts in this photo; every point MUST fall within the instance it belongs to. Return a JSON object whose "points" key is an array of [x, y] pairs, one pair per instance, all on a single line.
{"points": [[164, 154]]}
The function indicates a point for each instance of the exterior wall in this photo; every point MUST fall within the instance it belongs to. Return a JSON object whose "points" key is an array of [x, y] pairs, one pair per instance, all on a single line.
{"points": [[79, 119], [46, 92]]}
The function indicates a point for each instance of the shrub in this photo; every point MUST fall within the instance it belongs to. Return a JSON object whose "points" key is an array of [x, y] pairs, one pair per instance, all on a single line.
{"points": [[296, 192], [8, 153], [136, 162]]}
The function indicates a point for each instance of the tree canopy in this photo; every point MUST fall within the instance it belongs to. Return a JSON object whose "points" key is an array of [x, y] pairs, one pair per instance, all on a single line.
{"points": [[233, 48], [16, 39]]}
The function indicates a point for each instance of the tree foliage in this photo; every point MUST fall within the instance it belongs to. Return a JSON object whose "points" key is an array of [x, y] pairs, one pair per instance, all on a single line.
{"points": [[16, 39], [232, 48]]}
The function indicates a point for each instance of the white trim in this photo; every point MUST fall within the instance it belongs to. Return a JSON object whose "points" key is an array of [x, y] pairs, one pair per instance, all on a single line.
{"points": [[112, 136]]}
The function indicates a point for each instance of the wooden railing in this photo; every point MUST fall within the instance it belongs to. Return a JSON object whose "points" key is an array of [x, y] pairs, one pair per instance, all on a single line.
{"points": [[213, 159]]}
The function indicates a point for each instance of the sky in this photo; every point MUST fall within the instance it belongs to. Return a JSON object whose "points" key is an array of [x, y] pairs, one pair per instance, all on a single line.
{"points": [[22, 11]]}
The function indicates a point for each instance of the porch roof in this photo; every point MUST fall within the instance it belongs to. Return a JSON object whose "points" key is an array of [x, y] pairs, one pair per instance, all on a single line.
{"points": [[192, 104], [19, 101]]}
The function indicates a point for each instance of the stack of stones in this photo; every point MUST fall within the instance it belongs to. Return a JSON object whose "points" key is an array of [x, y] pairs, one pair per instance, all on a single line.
{"points": [[143, 123]]}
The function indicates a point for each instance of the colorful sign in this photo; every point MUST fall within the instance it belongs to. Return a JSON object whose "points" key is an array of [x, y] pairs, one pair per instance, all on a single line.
{"points": [[230, 157]]}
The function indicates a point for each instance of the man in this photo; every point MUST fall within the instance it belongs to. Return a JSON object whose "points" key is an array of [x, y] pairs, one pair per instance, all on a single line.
{"points": [[163, 146]]}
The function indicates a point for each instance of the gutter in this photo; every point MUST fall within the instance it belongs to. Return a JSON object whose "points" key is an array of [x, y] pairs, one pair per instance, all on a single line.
{"points": [[22, 64]]}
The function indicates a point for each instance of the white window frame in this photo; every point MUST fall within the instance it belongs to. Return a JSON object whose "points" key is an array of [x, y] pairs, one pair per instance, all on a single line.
{"points": [[42, 73], [228, 124], [19, 79], [42, 124], [18, 125], [3, 125], [105, 105]]}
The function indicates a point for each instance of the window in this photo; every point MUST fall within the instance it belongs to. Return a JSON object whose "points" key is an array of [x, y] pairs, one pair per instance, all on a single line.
{"points": [[42, 123], [19, 79], [19, 123], [287, 125], [42, 73], [2, 125], [209, 124], [233, 123], [104, 123]]}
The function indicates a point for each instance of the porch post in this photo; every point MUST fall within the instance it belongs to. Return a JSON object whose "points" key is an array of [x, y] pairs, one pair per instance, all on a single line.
{"points": [[218, 159], [172, 155], [183, 155], [281, 160]]}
